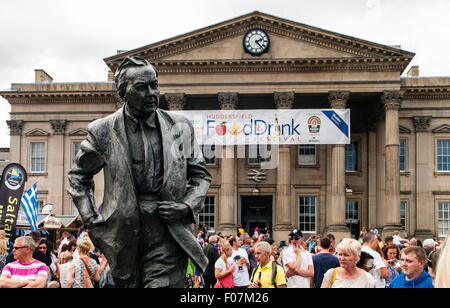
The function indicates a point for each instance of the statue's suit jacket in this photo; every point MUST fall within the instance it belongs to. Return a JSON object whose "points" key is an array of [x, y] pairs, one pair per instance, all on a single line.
{"points": [[117, 234]]}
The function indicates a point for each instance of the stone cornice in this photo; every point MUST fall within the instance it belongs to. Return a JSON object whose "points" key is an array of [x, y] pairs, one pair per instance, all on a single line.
{"points": [[238, 26], [426, 92], [281, 65]]}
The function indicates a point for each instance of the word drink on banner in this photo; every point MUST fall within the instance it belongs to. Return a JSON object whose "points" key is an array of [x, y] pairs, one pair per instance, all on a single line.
{"points": [[293, 126], [12, 184]]}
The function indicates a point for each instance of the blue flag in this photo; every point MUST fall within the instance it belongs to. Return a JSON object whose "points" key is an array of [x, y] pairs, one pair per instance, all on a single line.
{"points": [[30, 207]]}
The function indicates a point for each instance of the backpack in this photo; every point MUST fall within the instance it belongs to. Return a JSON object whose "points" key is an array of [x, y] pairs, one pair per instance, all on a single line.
{"points": [[274, 273]]}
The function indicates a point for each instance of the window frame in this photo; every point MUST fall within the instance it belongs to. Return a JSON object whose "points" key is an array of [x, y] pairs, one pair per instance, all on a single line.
{"points": [[406, 167], [264, 159], [405, 227], [315, 215], [438, 219], [316, 156], [358, 156], [212, 216], [30, 159], [436, 155]]}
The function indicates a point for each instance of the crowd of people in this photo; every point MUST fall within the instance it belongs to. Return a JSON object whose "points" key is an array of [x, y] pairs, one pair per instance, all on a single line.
{"points": [[242, 260], [32, 261]]}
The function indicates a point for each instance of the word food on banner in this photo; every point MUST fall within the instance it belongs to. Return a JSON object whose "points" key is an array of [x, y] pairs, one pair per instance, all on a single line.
{"points": [[293, 126], [11, 189]]}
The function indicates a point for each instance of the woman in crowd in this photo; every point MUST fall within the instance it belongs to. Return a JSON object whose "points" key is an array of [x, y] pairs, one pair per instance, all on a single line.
{"points": [[348, 275], [47, 249], [223, 270], [391, 255], [84, 271], [443, 265]]}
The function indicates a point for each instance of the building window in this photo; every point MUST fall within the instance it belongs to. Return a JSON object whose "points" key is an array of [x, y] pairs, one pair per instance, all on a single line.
{"points": [[206, 216], [37, 157], [307, 214], [351, 156], [443, 218], [40, 204], [307, 154], [257, 154], [209, 153], [76, 148], [351, 211], [443, 155], [403, 214], [402, 155]]}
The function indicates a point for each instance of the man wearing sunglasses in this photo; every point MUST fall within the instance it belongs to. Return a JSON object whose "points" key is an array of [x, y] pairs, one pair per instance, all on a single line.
{"points": [[25, 272], [297, 262]]}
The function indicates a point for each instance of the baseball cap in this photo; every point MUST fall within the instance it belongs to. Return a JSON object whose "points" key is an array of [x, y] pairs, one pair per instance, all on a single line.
{"points": [[429, 243], [296, 232]]}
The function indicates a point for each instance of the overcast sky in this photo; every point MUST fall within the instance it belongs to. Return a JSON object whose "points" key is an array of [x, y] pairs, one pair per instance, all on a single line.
{"points": [[69, 39]]}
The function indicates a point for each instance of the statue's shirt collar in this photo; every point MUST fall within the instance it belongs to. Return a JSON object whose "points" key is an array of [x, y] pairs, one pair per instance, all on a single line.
{"points": [[133, 123]]}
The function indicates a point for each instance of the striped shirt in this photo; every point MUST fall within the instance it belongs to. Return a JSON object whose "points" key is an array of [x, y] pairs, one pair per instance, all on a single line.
{"points": [[29, 272]]}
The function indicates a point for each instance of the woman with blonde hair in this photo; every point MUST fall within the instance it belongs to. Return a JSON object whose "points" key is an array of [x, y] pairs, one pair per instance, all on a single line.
{"points": [[443, 265], [223, 270], [84, 271], [348, 275]]}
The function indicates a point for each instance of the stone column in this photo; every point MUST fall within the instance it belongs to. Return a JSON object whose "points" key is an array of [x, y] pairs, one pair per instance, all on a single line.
{"points": [[336, 205], [380, 158], [176, 101], [392, 101], [372, 173], [283, 220], [15, 131], [56, 164], [227, 220], [424, 178]]}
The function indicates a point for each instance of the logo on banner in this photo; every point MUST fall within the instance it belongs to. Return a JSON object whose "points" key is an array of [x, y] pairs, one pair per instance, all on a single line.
{"points": [[14, 178], [314, 124]]}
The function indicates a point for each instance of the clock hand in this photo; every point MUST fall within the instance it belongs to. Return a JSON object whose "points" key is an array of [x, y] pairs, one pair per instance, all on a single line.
{"points": [[258, 42]]}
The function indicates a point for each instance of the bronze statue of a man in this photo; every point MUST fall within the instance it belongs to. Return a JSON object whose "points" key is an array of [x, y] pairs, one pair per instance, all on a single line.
{"points": [[146, 226]]}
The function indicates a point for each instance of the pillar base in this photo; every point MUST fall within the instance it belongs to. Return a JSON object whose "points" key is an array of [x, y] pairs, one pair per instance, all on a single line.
{"points": [[424, 234], [281, 233], [339, 231], [389, 230], [226, 230]]}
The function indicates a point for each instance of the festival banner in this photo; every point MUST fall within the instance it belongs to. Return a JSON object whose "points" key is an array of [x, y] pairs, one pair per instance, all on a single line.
{"points": [[274, 126], [11, 189]]}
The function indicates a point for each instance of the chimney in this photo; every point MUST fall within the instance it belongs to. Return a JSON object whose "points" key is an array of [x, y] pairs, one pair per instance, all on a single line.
{"points": [[413, 71], [41, 76]]}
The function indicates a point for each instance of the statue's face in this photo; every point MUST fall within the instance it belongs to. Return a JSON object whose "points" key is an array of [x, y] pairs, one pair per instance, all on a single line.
{"points": [[142, 91]]}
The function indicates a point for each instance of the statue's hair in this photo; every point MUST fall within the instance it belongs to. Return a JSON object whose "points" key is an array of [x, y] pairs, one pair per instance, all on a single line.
{"points": [[120, 75]]}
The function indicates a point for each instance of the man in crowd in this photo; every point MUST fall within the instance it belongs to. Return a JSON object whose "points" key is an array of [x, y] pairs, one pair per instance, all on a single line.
{"points": [[332, 250], [263, 276], [297, 262], [413, 276], [323, 261], [212, 254], [247, 246], [373, 230], [239, 259], [25, 272], [379, 271]]}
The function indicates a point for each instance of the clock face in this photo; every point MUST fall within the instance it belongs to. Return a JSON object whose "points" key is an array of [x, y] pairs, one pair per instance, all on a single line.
{"points": [[256, 42]]}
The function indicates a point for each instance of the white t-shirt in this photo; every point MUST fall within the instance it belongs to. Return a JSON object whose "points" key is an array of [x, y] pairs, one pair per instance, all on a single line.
{"points": [[378, 264], [397, 240], [220, 264], [240, 276], [297, 281]]}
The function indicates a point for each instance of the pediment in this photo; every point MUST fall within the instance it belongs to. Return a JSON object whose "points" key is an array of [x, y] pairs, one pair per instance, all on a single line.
{"points": [[404, 130], [444, 128], [37, 132], [78, 132], [288, 40]]}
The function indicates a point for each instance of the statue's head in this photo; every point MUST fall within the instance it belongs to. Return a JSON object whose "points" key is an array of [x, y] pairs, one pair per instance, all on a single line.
{"points": [[137, 83]]}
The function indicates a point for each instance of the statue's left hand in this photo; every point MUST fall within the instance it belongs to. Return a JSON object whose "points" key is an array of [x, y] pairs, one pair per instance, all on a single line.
{"points": [[170, 211]]}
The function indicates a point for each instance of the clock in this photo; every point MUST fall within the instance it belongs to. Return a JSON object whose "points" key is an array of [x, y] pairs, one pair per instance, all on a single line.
{"points": [[256, 42]]}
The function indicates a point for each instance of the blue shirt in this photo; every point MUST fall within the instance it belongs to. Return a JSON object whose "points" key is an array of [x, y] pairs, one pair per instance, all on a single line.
{"points": [[423, 281], [322, 263]]}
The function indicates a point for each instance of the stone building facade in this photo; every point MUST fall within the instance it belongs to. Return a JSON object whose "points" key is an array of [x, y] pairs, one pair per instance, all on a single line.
{"points": [[395, 174]]}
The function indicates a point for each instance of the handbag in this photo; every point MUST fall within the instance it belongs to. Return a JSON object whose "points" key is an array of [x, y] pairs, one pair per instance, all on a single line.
{"points": [[225, 282]]}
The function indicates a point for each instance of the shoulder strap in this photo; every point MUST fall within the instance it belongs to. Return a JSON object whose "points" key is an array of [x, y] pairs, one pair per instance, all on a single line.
{"points": [[334, 276], [253, 274], [274, 273], [86, 265]]}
